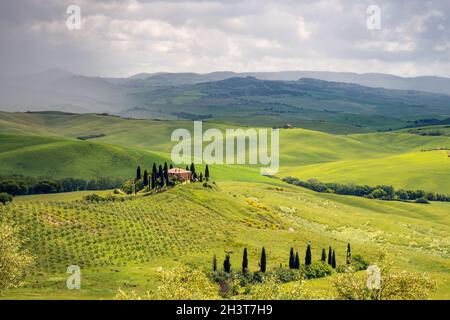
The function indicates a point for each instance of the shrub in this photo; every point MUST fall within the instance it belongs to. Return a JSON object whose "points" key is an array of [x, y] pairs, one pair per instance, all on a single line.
{"points": [[288, 275], [377, 194], [359, 263], [271, 289], [5, 198], [182, 283], [317, 270], [13, 261], [422, 200], [395, 285], [97, 198]]}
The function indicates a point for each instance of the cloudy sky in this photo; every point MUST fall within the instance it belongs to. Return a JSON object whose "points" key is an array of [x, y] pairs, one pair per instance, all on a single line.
{"points": [[121, 38]]}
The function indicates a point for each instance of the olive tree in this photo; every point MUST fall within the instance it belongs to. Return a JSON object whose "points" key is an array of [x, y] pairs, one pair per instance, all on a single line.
{"points": [[392, 285], [13, 260]]}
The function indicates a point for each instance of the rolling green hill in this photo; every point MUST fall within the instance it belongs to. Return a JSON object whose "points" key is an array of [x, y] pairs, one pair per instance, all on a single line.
{"points": [[59, 158], [124, 244], [428, 171], [371, 158]]}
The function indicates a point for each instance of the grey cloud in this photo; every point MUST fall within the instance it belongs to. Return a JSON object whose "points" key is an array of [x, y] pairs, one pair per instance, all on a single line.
{"points": [[124, 37]]}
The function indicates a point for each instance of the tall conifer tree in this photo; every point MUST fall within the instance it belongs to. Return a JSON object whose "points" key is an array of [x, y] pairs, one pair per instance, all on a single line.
{"points": [[227, 264], [207, 173], [333, 260], [324, 256], [308, 256], [263, 262], [161, 176], [145, 178], [291, 259], [166, 174], [349, 254], [245, 262], [138, 173], [297, 261]]}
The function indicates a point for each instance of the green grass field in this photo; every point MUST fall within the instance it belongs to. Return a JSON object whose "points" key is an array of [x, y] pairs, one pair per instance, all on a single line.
{"points": [[124, 244], [396, 158]]}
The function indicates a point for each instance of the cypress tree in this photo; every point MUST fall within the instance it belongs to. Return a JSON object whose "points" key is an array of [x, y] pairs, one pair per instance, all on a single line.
{"points": [[308, 257], [333, 260], [138, 173], [161, 176], [153, 186], [227, 264], [291, 259], [171, 166], [245, 262], [166, 174], [201, 177], [214, 263], [145, 178], [192, 168], [329, 256], [154, 176], [263, 262], [207, 173], [324, 256], [296, 261], [349, 254], [187, 168]]}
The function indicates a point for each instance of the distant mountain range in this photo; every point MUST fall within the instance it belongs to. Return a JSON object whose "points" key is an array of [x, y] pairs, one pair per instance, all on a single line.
{"points": [[378, 101], [375, 80]]}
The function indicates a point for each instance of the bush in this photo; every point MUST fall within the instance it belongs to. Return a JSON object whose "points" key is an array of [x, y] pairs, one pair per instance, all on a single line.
{"points": [[422, 200], [181, 283], [377, 194], [97, 198], [395, 285], [359, 263], [14, 262], [288, 275], [5, 198], [317, 270]]}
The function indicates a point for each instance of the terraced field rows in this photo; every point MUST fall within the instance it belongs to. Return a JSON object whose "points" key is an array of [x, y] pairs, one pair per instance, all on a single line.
{"points": [[63, 233]]}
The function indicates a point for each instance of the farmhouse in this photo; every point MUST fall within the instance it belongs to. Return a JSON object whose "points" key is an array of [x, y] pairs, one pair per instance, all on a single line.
{"points": [[180, 174]]}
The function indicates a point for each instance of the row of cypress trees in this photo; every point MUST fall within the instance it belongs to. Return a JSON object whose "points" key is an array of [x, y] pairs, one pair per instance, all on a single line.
{"points": [[294, 260], [159, 177], [227, 262]]}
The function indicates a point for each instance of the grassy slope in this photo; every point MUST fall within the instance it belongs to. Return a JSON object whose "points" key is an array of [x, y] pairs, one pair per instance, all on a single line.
{"points": [[372, 158], [147, 233], [57, 157], [429, 171], [123, 244], [382, 158]]}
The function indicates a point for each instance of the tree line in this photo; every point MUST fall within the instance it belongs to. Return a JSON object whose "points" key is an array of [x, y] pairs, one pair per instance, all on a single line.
{"points": [[382, 192], [16, 185]]}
